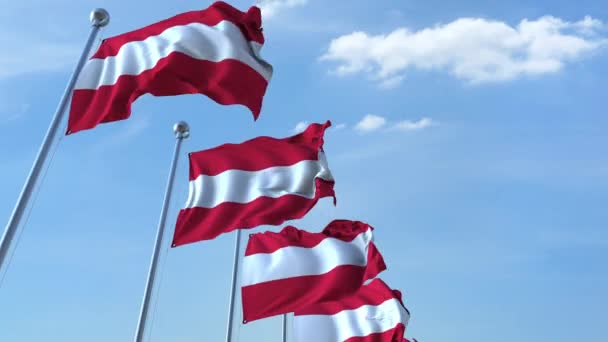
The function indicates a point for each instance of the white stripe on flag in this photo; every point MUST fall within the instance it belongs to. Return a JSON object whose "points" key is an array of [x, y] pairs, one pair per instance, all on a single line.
{"points": [[239, 186], [363, 321], [289, 262], [212, 43]]}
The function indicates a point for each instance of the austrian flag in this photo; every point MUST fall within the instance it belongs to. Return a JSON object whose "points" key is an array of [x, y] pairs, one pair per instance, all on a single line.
{"points": [[375, 313], [290, 270], [263, 181], [214, 52]]}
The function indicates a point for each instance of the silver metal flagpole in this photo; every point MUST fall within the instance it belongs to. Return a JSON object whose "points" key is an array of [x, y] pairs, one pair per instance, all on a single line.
{"points": [[99, 18], [284, 327], [182, 131], [235, 267]]}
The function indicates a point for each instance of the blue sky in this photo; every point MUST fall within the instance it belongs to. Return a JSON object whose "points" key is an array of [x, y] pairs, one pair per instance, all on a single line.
{"points": [[469, 134]]}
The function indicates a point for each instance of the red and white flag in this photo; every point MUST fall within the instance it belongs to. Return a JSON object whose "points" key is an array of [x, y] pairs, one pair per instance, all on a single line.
{"points": [[215, 52], [374, 314], [263, 181], [287, 271]]}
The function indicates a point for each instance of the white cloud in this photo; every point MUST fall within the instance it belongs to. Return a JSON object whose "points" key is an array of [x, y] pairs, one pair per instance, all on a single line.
{"points": [[370, 123], [339, 127], [589, 25], [131, 129], [407, 125], [44, 47], [270, 8], [28, 55], [472, 49], [12, 112], [391, 82], [300, 127]]}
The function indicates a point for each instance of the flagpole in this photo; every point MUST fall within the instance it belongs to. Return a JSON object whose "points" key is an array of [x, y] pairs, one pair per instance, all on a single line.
{"points": [[99, 18], [284, 327], [182, 131], [235, 267]]}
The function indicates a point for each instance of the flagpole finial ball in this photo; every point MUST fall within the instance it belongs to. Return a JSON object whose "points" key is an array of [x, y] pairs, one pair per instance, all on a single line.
{"points": [[100, 17], [181, 130]]}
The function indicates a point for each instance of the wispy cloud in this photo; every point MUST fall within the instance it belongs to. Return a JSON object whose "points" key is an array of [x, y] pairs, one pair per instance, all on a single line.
{"points": [[132, 129], [370, 123], [407, 125], [270, 8], [575, 238], [391, 82], [31, 55], [475, 50], [50, 40], [300, 127], [12, 113], [339, 127]]}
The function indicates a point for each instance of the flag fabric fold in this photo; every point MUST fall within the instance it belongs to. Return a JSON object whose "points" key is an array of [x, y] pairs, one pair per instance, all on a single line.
{"points": [[287, 271], [263, 181], [214, 52], [375, 313]]}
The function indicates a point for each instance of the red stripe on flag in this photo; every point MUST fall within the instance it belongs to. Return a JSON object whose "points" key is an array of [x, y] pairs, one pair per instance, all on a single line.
{"points": [[374, 294], [226, 82], [259, 153], [292, 237], [374, 268], [249, 22], [290, 294], [392, 335], [197, 224]]}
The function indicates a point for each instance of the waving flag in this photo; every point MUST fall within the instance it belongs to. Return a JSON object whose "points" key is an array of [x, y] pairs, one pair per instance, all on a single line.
{"points": [[261, 181], [215, 52], [287, 271], [375, 313]]}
